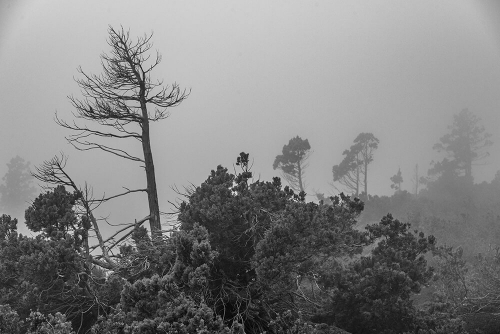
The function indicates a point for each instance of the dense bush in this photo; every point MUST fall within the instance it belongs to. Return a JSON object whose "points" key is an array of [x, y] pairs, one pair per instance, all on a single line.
{"points": [[248, 257]]}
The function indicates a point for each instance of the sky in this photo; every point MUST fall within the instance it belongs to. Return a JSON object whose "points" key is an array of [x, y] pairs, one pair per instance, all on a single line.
{"points": [[260, 73]]}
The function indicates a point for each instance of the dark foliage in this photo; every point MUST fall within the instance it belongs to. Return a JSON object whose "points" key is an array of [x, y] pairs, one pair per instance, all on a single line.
{"points": [[248, 257], [373, 294]]}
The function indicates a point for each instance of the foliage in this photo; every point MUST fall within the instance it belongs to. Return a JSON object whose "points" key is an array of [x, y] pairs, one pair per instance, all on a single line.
{"points": [[18, 187], [52, 213], [265, 236], [174, 301], [438, 318], [373, 294], [352, 172], [48, 324], [247, 252], [470, 288], [292, 162], [9, 320], [302, 241], [247, 257], [156, 305], [36, 323], [290, 324], [453, 276], [51, 272]]}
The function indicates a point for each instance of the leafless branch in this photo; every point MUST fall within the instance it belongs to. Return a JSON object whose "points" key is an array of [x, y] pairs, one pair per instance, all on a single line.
{"points": [[105, 199], [117, 101]]}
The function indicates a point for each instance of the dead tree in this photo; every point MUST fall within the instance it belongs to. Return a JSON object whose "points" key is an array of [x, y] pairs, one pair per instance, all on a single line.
{"points": [[117, 103]]}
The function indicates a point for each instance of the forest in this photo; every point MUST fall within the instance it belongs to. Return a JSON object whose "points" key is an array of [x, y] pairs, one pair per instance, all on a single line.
{"points": [[246, 255]]}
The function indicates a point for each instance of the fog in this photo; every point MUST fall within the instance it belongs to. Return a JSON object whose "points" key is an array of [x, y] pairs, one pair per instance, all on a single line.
{"points": [[260, 73]]}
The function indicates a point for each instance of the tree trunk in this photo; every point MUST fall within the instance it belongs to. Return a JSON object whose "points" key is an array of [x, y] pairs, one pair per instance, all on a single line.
{"points": [[299, 168], [366, 178], [357, 181], [154, 208]]}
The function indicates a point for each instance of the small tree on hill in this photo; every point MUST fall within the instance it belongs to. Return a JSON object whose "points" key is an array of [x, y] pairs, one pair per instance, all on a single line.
{"points": [[396, 180], [293, 162], [352, 172]]}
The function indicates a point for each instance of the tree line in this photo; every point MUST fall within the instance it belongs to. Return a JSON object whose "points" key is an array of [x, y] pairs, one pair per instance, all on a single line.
{"points": [[466, 143]]}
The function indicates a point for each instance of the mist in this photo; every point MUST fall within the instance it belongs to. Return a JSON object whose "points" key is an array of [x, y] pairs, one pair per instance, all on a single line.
{"points": [[259, 74]]}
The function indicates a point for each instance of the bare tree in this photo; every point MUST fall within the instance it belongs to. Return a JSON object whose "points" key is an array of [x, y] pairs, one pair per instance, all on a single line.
{"points": [[117, 103]]}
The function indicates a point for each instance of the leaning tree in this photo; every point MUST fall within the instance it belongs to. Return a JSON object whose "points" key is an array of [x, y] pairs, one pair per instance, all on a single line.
{"points": [[120, 103], [293, 162], [352, 172]]}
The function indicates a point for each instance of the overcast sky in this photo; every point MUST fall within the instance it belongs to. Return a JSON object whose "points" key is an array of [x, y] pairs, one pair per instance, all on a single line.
{"points": [[261, 72]]}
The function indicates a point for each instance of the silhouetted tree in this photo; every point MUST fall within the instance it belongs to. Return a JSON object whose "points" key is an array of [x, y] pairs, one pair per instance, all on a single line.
{"points": [[17, 188], [118, 101], [396, 180], [293, 162], [352, 172], [265, 238], [466, 143]]}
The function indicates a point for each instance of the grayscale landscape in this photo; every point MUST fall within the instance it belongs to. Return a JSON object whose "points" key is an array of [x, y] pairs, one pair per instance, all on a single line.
{"points": [[261, 167]]}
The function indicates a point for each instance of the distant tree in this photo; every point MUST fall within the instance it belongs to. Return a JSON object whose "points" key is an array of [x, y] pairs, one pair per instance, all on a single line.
{"points": [[118, 100], [323, 199], [396, 180], [466, 142], [293, 162], [348, 172], [17, 188], [352, 172], [416, 180]]}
